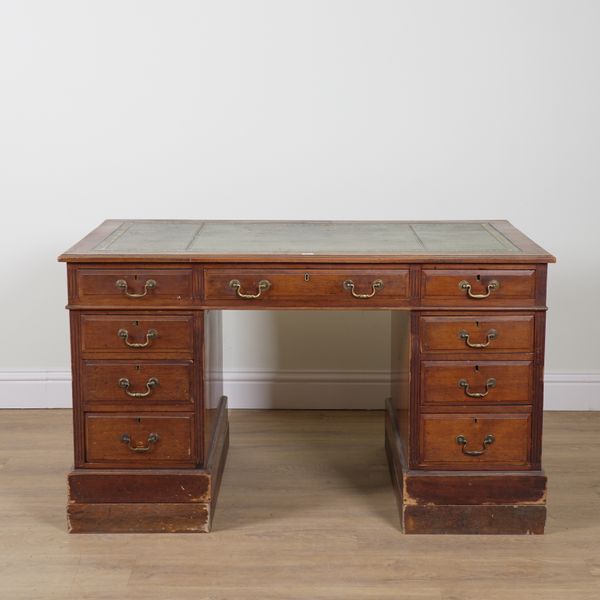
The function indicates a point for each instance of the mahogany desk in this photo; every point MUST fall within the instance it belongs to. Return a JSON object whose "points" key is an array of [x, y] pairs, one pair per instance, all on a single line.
{"points": [[463, 428]]}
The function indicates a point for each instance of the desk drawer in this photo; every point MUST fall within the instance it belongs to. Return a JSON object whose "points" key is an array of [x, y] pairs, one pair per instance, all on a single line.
{"points": [[253, 288], [477, 334], [478, 287], [133, 288], [477, 441], [471, 382], [140, 441], [134, 385], [140, 335]]}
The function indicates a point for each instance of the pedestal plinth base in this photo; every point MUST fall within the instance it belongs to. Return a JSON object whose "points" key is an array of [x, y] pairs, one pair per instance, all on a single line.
{"points": [[151, 500], [464, 502]]}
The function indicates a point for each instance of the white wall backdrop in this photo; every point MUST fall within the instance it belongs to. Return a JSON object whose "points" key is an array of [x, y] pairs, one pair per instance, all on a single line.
{"points": [[304, 110]]}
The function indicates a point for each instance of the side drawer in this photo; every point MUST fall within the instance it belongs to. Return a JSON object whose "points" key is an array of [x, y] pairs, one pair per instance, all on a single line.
{"points": [[471, 382], [252, 288], [142, 335], [478, 287], [139, 441], [476, 441], [477, 334], [132, 287], [135, 385]]}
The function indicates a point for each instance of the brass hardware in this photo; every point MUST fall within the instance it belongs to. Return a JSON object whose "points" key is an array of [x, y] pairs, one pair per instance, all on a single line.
{"points": [[306, 276], [491, 286], [376, 285], [122, 285], [151, 383], [492, 334], [489, 384], [263, 285], [462, 441], [152, 439], [150, 335]]}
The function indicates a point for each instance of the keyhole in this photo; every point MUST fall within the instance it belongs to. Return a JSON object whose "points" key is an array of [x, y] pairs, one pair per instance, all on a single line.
{"points": [[474, 420], [135, 277], [478, 277], [138, 367], [136, 323], [306, 276], [477, 323], [139, 419], [477, 367]]}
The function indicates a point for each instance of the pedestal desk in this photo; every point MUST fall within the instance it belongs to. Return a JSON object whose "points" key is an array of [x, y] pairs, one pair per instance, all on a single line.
{"points": [[463, 424]]}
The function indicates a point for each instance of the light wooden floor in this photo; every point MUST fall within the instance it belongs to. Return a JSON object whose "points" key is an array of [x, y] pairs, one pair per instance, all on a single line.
{"points": [[306, 511]]}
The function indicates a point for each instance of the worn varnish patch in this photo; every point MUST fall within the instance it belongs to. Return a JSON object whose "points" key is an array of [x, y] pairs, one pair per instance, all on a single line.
{"points": [[139, 518]]}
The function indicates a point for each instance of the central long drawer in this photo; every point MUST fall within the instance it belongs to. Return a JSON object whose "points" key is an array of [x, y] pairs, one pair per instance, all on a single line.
{"points": [[280, 287]]}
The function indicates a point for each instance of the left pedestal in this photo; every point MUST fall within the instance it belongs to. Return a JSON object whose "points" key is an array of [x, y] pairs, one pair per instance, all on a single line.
{"points": [[150, 423]]}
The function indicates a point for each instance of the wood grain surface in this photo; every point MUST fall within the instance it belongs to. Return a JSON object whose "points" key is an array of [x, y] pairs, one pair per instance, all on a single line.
{"points": [[306, 511]]}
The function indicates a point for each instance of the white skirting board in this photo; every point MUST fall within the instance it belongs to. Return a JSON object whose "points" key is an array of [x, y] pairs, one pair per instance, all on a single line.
{"points": [[290, 389]]}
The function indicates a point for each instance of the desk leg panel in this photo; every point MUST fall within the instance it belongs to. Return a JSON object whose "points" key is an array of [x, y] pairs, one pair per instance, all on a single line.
{"points": [[462, 502]]}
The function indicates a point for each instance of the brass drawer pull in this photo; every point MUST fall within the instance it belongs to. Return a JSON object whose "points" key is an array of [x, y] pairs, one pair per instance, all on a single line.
{"points": [[375, 286], [462, 441], [152, 439], [491, 286], [263, 285], [492, 334], [122, 285], [151, 383], [151, 334], [489, 384]]}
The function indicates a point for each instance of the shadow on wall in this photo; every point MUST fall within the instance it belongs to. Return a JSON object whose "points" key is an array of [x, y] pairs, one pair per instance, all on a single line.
{"points": [[306, 359]]}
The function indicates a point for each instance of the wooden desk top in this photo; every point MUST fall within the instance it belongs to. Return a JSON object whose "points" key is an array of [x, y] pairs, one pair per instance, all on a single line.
{"points": [[306, 241]]}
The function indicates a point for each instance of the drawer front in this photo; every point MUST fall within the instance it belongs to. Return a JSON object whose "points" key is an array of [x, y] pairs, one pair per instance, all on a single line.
{"points": [[137, 385], [486, 441], [135, 288], [471, 382], [284, 287], [133, 335], [478, 287], [139, 440], [477, 334]]}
